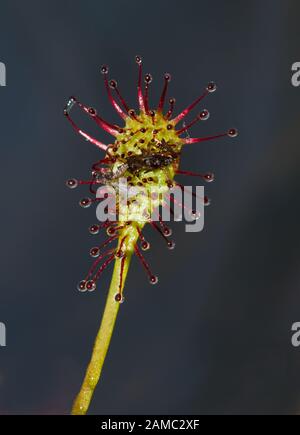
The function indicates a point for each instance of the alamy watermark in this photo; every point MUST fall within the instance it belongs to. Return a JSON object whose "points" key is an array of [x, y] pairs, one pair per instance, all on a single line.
{"points": [[121, 202], [2, 334], [296, 74], [296, 334], [2, 74]]}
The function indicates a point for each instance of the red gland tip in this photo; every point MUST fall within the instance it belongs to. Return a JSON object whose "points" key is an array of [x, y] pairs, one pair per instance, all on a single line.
{"points": [[110, 231], [148, 78], [85, 202], [207, 201], [82, 286], [104, 69], [145, 245], [153, 279], [232, 132], [209, 177], [72, 183], [113, 84], [119, 298], [95, 252], [211, 87], [92, 111], [94, 229], [91, 285], [167, 231], [204, 115], [119, 254], [171, 244]]}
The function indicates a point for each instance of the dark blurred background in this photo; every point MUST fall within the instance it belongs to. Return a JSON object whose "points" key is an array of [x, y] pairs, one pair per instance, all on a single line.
{"points": [[214, 336]]}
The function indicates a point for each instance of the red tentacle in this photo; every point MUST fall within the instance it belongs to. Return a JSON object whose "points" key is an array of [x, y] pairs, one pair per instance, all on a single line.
{"points": [[231, 133], [104, 70], [167, 79], [141, 102], [67, 110]]}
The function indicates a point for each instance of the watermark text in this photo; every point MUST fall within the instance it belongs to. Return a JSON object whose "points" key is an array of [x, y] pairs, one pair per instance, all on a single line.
{"points": [[2, 74], [296, 74], [2, 334]]}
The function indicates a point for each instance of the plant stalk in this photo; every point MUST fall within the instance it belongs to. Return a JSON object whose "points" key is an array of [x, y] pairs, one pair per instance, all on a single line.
{"points": [[93, 373]]}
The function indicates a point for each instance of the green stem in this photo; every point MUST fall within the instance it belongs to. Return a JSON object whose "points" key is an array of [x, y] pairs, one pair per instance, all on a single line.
{"points": [[84, 397]]}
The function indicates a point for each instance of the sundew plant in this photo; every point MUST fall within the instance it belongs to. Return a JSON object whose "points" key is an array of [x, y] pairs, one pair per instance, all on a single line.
{"points": [[145, 154]]}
